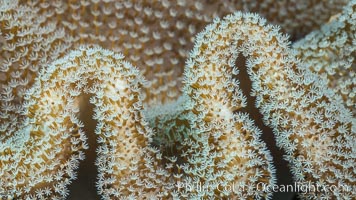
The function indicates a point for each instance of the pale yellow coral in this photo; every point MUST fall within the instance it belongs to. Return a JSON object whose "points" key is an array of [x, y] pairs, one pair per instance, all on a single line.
{"points": [[316, 131], [47, 148], [156, 138], [330, 52]]}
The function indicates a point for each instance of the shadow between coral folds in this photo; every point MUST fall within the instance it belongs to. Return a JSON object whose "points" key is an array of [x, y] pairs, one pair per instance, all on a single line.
{"points": [[283, 174], [85, 186]]}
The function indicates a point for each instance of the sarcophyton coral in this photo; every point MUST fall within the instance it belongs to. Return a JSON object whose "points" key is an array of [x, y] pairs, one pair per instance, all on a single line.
{"points": [[162, 129]]}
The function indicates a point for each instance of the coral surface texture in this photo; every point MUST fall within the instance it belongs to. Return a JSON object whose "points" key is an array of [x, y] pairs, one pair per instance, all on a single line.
{"points": [[152, 92]]}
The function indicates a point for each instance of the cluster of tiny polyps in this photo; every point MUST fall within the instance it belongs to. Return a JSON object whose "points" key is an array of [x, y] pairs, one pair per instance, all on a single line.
{"points": [[155, 134]]}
